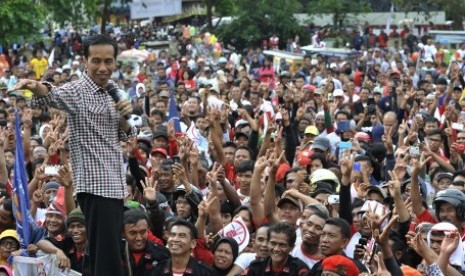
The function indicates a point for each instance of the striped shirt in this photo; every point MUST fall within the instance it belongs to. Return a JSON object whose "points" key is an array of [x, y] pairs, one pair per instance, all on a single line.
{"points": [[94, 137]]}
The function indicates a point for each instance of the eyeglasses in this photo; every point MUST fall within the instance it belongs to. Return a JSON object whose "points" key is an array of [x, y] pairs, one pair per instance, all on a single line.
{"points": [[458, 183], [9, 244], [400, 155]]}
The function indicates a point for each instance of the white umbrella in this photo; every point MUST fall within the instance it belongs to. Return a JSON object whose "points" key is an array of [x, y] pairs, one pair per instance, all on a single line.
{"points": [[133, 55]]}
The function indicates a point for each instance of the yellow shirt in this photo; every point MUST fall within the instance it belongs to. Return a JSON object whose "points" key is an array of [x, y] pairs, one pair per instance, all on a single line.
{"points": [[39, 66]]}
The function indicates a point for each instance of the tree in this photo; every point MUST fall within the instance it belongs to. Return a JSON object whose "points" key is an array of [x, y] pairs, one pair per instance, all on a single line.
{"points": [[222, 8], [338, 8], [20, 20], [256, 20], [65, 11], [454, 9]]}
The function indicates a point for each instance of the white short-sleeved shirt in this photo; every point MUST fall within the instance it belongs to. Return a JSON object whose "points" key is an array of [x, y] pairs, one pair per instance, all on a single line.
{"points": [[308, 259]]}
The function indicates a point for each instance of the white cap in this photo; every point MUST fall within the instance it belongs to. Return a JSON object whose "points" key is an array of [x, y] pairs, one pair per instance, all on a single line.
{"points": [[338, 93]]}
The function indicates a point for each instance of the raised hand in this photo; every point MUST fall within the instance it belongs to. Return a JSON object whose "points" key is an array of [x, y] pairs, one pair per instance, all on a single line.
{"points": [[261, 163], [450, 243], [38, 195], [416, 164], [133, 147], [64, 176], [347, 165], [150, 189], [180, 173], [394, 184]]}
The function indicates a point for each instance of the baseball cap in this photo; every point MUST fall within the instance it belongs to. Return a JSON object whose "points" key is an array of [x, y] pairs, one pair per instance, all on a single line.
{"points": [[312, 130], [444, 175], [318, 91], [290, 199], [164, 93], [321, 143], [338, 93], [240, 133], [241, 122], [377, 189], [159, 150]]}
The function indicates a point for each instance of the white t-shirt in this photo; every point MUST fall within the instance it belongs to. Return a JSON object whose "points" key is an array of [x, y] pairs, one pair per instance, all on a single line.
{"points": [[243, 260], [308, 259]]}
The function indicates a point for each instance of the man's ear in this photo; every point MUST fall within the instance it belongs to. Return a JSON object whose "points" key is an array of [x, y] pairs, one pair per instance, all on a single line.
{"points": [[193, 244]]}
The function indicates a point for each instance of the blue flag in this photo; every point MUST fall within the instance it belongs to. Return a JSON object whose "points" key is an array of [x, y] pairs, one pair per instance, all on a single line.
{"points": [[173, 114], [20, 195]]}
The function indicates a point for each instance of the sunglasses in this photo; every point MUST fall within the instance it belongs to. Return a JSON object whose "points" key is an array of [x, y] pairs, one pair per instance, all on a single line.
{"points": [[458, 183]]}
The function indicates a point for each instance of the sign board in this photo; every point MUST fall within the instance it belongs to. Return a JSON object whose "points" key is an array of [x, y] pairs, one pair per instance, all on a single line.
{"points": [[238, 231], [154, 8]]}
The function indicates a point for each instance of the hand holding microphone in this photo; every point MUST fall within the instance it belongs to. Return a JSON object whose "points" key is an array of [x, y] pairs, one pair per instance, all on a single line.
{"points": [[122, 105]]}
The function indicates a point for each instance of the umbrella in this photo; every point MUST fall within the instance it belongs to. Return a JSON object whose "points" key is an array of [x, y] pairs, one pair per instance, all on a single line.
{"points": [[133, 55]]}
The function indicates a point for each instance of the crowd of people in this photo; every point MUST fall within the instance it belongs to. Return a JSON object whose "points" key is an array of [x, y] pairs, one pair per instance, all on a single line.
{"points": [[341, 168]]}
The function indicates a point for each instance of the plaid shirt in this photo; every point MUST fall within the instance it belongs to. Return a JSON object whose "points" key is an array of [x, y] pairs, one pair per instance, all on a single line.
{"points": [[94, 137]]}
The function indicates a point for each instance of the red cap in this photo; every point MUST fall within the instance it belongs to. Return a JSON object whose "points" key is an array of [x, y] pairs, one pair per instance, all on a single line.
{"points": [[309, 87], [159, 150], [363, 136], [340, 265]]}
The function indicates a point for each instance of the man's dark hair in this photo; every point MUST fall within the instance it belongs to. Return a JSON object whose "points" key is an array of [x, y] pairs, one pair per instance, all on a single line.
{"points": [[185, 223], [8, 206], [245, 166], [342, 112], [230, 145], [283, 228], [430, 119], [364, 158], [132, 216], [459, 173], [100, 39], [342, 225], [243, 148], [155, 112], [317, 212]]}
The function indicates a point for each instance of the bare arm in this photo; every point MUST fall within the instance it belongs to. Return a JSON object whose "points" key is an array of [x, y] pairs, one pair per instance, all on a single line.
{"points": [[3, 169], [64, 178], [415, 194], [258, 211]]}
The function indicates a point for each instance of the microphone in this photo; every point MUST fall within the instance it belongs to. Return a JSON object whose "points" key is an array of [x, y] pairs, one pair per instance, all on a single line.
{"points": [[113, 91]]}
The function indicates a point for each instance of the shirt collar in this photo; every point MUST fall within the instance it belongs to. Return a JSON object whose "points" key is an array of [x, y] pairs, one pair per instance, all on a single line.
{"points": [[90, 83]]}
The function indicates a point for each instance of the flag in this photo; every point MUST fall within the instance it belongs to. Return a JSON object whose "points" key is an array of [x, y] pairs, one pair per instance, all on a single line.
{"points": [[237, 230], [195, 136], [51, 58], [389, 19], [173, 114], [20, 196], [44, 265]]}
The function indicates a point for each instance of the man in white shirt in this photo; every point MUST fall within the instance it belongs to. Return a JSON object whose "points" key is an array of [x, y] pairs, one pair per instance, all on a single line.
{"points": [[307, 249]]}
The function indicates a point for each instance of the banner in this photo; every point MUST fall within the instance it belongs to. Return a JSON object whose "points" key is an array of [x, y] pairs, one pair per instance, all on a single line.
{"points": [[238, 231], [154, 8], [19, 195], [195, 136], [41, 266]]}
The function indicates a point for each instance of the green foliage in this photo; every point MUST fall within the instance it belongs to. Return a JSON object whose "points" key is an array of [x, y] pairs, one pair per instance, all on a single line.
{"points": [[338, 8], [455, 9], [261, 19], [20, 19]]}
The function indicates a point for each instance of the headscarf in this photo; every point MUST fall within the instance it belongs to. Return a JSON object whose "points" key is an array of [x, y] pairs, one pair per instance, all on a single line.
{"points": [[458, 257], [235, 253]]}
